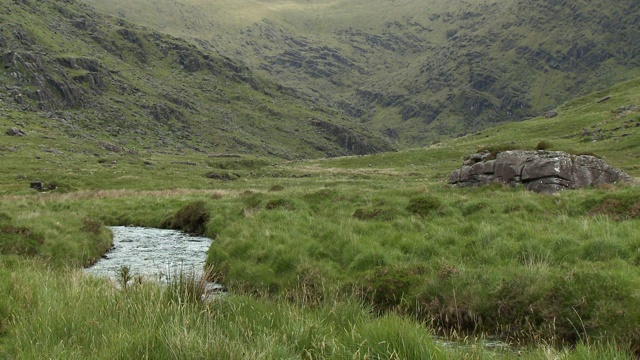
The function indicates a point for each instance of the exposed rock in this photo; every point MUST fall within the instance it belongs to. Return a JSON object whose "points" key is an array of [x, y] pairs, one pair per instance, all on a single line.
{"points": [[222, 176], [604, 99], [551, 114], [539, 171], [37, 185], [349, 139], [110, 147], [16, 132]]}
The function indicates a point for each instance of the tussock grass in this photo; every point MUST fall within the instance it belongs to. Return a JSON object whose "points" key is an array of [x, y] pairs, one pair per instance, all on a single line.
{"points": [[341, 264], [191, 218], [75, 316]]}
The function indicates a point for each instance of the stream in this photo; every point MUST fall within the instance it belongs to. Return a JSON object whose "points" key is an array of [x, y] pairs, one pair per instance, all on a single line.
{"points": [[155, 254], [159, 254]]}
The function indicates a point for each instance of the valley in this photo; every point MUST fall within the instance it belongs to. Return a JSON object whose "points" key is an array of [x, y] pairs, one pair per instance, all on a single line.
{"points": [[283, 138], [413, 71]]}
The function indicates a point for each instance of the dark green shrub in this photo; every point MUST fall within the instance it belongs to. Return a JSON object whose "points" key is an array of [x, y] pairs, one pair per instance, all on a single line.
{"points": [[276, 188], [91, 226], [385, 288], [192, 219], [222, 176], [374, 214], [574, 304], [320, 196], [544, 145], [424, 205], [517, 306], [474, 207], [285, 204], [618, 207], [20, 240], [254, 200], [310, 287]]}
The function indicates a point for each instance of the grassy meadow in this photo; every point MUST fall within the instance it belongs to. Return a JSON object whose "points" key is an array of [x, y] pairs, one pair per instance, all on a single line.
{"points": [[370, 257]]}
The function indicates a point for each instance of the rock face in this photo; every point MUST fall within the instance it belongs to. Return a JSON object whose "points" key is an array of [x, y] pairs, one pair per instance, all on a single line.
{"points": [[539, 171]]}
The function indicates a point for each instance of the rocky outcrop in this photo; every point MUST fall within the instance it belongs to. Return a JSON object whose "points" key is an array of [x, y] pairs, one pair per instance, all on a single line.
{"points": [[15, 132], [349, 139], [539, 171]]}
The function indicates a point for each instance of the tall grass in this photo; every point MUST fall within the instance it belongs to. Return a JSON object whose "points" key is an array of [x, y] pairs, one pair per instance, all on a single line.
{"points": [[346, 260], [512, 263], [78, 317], [66, 314]]}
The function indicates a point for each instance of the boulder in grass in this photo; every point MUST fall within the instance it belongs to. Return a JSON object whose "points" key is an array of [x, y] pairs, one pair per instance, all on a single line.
{"points": [[37, 185], [15, 132], [540, 171]]}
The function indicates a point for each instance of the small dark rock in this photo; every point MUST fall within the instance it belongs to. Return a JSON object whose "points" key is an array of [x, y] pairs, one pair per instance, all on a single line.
{"points": [[110, 147], [551, 114], [222, 176], [604, 99], [16, 132], [37, 185]]}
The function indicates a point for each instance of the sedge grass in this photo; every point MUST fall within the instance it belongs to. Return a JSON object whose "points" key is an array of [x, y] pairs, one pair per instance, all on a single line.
{"points": [[336, 263]]}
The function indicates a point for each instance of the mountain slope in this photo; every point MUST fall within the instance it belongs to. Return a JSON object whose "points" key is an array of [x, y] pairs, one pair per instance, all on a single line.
{"points": [[130, 88], [413, 70]]}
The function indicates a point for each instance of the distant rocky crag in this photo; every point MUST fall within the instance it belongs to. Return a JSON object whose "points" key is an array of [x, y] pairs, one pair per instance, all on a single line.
{"points": [[539, 171]]}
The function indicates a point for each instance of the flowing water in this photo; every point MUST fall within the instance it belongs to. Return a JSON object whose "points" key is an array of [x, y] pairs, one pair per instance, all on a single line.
{"points": [[156, 254]]}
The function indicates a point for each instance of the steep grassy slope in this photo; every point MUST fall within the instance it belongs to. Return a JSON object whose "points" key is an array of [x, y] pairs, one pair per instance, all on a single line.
{"points": [[129, 89], [412, 70]]}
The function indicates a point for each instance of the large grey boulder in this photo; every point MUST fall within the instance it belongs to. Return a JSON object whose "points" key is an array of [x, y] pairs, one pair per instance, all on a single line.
{"points": [[539, 171]]}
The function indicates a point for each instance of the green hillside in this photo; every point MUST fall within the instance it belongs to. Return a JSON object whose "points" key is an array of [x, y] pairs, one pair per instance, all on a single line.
{"points": [[103, 80], [415, 70], [366, 256], [355, 257]]}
